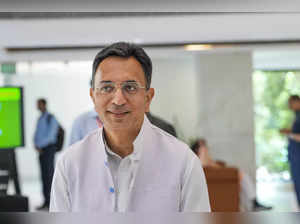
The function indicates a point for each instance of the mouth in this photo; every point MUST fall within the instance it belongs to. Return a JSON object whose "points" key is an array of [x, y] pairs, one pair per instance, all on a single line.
{"points": [[118, 114]]}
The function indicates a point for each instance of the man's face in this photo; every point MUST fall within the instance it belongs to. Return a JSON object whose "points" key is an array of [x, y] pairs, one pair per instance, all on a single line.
{"points": [[294, 105], [118, 110], [40, 106]]}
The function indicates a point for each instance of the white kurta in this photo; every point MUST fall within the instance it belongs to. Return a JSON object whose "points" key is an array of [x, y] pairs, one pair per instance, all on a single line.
{"points": [[162, 174]]}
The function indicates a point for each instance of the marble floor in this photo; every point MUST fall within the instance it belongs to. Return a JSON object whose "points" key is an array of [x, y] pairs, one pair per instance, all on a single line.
{"points": [[280, 195]]}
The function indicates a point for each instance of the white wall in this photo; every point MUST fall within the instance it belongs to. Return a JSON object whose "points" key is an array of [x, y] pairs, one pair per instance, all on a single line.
{"points": [[67, 93], [226, 107], [175, 96], [1, 79]]}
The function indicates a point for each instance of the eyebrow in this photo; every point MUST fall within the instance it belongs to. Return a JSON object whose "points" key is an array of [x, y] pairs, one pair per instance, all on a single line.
{"points": [[108, 81]]}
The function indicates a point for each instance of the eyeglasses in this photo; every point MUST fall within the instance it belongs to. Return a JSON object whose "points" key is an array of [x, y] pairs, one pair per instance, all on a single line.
{"points": [[128, 88]]}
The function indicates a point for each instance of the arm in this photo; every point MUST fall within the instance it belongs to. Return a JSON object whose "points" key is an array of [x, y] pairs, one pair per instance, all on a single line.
{"points": [[35, 139], [51, 137], [295, 137], [290, 134], [60, 196], [194, 191]]}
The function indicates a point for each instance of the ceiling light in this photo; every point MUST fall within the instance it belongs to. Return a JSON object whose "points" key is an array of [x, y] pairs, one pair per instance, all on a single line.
{"points": [[198, 47]]}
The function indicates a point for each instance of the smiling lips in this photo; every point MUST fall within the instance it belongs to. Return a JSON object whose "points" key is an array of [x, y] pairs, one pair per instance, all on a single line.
{"points": [[118, 113]]}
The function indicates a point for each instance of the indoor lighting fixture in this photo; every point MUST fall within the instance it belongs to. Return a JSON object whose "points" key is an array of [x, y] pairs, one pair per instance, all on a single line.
{"points": [[198, 47]]}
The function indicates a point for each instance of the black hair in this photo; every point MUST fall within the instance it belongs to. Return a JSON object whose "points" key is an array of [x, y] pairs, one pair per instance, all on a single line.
{"points": [[294, 98], [195, 146], [43, 101], [125, 50]]}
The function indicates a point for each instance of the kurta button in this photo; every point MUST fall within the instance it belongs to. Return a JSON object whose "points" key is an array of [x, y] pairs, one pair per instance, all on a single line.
{"points": [[112, 190]]}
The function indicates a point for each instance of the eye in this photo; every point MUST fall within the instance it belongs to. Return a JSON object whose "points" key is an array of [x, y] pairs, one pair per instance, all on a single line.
{"points": [[130, 87], [106, 89]]}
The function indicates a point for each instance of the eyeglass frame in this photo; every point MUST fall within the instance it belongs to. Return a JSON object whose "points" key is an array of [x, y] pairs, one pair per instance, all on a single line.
{"points": [[120, 85]]}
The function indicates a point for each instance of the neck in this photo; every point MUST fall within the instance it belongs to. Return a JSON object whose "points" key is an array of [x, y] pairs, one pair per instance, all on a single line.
{"points": [[121, 141]]}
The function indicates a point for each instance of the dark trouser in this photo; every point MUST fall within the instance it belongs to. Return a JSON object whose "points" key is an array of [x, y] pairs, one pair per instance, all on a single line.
{"points": [[47, 170], [295, 171]]}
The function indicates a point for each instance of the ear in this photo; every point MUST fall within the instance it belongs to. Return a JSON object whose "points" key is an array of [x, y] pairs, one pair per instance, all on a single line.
{"points": [[92, 95], [149, 97]]}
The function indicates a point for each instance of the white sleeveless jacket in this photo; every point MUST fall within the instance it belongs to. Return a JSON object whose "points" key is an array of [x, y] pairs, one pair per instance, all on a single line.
{"points": [[169, 176]]}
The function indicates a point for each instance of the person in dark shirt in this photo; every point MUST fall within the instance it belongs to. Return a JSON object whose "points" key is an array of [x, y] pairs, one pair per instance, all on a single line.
{"points": [[293, 135], [162, 124]]}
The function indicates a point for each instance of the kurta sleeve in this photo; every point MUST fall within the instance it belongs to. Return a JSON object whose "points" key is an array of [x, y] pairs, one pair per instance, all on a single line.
{"points": [[60, 195], [194, 195]]}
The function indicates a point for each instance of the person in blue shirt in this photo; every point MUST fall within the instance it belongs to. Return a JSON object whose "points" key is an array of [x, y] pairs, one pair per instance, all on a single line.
{"points": [[44, 140], [83, 125], [293, 135]]}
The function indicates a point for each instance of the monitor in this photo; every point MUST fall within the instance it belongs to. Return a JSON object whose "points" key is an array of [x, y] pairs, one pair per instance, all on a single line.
{"points": [[11, 117]]}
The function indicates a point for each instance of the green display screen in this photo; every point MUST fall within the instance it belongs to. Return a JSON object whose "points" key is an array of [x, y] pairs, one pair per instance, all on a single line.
{"points": [[11, 117]]}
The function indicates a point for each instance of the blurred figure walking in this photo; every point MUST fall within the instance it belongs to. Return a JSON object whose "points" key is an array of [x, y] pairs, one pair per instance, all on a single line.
{"points": [[44, 141]]}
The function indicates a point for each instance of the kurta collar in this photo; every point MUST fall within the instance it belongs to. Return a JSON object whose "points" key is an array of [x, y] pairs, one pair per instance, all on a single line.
{"points": [[137, 144]]}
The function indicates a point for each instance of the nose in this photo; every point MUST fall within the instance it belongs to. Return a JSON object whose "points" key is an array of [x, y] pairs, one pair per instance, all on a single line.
{"points": [[119, 98]]}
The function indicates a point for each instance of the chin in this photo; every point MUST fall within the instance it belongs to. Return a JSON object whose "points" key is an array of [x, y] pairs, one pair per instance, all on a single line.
{"points": [[117, 123]]}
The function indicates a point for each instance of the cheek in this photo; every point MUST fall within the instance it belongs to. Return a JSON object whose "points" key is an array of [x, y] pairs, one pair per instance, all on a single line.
{"points": [[100, 105], [141, 105]]}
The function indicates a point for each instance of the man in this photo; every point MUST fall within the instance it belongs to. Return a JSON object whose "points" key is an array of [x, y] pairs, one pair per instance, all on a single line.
{"points": [[128, 164], [294, 144], [44, 140]]}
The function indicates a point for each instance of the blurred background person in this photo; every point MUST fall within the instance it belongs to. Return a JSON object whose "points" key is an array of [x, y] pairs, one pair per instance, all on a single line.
{"points": [[248, 200], [162, 124], [83, 125], [293, 135], [44, 142]]}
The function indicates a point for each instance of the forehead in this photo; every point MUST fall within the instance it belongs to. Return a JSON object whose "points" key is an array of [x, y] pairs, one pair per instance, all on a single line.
{"points": [[120, 69]]}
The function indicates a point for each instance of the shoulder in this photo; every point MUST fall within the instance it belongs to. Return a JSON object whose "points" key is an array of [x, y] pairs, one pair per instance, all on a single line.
{"points": [[83, 117], [51, 118], [173, 152], [157, 121], [81, 151], [167, 143]]}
